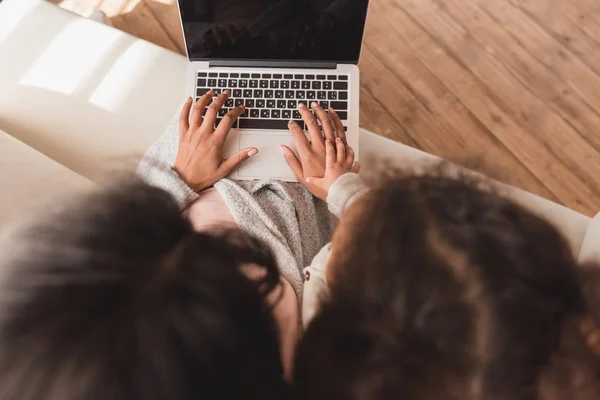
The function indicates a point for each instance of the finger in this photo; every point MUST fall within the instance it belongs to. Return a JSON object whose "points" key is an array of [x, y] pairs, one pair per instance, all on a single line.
{"points": [[213, 110], [300, 140], [339, 126], [349, 162], [340, 149], [314, 130], [293, 162], [329, 155], [356, 167], [230, 164], [227, 122], [184, 115], [326, 123], [196, 117]]}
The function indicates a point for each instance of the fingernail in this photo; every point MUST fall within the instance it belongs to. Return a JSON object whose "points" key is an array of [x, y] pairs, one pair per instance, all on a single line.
{"points": [[331, 110], [282, 149], [313, 104], [328, 142], [227, 92], [189, 100], [302, 105], [308, 180], [291, 122], [252, 152]]}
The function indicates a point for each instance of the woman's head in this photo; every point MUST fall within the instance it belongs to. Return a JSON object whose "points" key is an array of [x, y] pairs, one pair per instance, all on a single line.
{"points": [[439, 288], [114, 296]]}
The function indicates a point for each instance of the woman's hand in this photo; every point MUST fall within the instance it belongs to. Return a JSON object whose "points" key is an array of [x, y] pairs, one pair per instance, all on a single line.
{"points": [[325, 157], [200, 160]]}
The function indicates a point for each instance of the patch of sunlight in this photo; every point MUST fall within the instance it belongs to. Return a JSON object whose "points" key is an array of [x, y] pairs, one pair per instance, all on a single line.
{"points": [[18, 10], [71, 56], [167, 2], [124, 75]]}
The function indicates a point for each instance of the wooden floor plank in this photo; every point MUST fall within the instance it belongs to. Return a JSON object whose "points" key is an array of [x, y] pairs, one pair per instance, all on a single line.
{"points": [[472, 136], [567, 68], [543, 163]]}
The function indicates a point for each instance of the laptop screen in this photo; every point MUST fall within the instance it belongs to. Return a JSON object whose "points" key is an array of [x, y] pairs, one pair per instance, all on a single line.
{"points": [[312, 30]]}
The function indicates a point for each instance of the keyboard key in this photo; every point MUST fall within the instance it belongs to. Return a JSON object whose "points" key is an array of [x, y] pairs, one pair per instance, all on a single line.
{"points": [[212, 83], [303, 102], [310, 77], [284, 84], [274, 85], [202, 74], [289, 94], [233, 83], [254, 84], [286, 114], [229, 103], [321, 95], [264, 84], [255, 76], [281, 103], [239, 102], [316, 85], [247, 92], [204, 111], [339, 105], [265, 113], [343, 77], [201, 91], [331, 77], [292, 104], [254, 113], [222, 82], [343, 95], [311, 95], [266, 76], [275, 114], [244, 114], [271, 103], [295, 84], [217, 92], [269, 94], [234, 75], [324, 104], [201, 82], [245, 75], [305, 85], [237, 92], [300, 94], [261, 103], [258, 93], [222, 112], [342, 114], [327, 85], [223, 75], [332, 95], [249, 103], [277, 76], [279, 94], [298, 76], [288, 76], [340, 85], [280, 124], [296, 115], [321, 77], [243, 83]]}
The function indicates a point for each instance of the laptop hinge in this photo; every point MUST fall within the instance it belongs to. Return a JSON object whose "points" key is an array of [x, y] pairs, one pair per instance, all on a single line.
{"points": [[273, 64]]}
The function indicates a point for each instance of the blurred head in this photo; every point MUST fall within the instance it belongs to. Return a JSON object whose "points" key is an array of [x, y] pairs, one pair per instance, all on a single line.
{"points": [[114, 296], [441, 289]]}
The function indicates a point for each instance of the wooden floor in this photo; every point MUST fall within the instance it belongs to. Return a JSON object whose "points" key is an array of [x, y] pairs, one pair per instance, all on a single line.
{"points": [[514, 84]]}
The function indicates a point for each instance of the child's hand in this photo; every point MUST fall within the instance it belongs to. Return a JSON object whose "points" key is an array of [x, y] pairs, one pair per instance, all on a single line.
{"points": [[200, 160], [324, 158]]}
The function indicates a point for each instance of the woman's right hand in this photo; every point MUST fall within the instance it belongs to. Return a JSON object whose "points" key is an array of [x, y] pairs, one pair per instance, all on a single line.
{"points": [[324, 158]]}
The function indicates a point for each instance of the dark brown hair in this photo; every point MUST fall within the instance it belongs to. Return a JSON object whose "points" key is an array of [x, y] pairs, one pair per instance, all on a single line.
{"points": [[443, 290], [114, 296]]}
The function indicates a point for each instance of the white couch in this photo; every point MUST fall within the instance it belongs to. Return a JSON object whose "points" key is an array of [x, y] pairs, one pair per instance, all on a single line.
{"points": [[78, 98]]}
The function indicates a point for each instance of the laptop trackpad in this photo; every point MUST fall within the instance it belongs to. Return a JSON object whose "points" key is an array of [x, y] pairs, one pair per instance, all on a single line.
{"points": [[269, 162]]}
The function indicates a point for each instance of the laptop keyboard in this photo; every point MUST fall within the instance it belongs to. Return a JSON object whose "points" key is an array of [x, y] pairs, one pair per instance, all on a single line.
{"points": [[272, 100]]}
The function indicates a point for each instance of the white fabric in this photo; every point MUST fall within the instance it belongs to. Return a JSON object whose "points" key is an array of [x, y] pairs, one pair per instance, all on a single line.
{"points": [[590, 249], [344, 192]]}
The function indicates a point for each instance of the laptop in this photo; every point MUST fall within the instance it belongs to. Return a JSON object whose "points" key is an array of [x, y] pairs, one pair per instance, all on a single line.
{"points": [[273, 55]]}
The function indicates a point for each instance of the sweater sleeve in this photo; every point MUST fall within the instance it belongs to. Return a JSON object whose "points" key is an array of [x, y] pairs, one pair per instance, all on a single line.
{"points": [[344, 192]]}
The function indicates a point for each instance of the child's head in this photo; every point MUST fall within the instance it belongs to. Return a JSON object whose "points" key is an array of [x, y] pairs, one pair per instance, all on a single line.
{"points": [[442, 290], [114, 296]]}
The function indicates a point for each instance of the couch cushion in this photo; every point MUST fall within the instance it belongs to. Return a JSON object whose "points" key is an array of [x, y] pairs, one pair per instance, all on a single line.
{"points": [[28, 177], [88, 96]]}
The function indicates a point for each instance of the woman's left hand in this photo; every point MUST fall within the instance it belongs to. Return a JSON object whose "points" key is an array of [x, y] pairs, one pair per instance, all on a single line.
{"points": [[200, 161]]}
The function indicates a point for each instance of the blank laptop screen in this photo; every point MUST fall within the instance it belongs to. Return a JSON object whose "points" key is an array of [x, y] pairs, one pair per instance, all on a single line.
{"points": [[311, 30]]}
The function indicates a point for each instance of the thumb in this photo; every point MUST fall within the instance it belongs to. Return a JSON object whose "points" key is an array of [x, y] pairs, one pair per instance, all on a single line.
{"points": [[231, 163]]}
